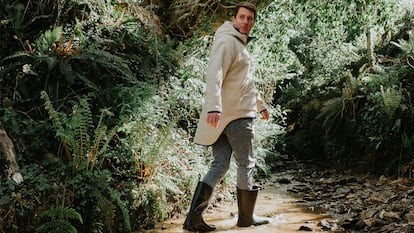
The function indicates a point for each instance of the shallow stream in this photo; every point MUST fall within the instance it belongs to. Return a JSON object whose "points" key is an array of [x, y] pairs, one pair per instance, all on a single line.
{"points": [[287, 213]]}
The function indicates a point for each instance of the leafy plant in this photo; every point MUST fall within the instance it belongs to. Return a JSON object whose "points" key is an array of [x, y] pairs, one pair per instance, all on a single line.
{"points": [[330, 86], [79, 140], [58, 222]]}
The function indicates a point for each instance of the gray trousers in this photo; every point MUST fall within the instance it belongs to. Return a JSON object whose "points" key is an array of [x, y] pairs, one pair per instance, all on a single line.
{"points": [[237, 137]]}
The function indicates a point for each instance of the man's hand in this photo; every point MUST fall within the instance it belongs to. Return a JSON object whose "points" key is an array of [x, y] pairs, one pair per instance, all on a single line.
{"points": [[265, 114], [213, 118]]}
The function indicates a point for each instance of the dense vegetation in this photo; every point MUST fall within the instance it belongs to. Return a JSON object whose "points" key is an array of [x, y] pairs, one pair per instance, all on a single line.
{"points": [[101, 100]]}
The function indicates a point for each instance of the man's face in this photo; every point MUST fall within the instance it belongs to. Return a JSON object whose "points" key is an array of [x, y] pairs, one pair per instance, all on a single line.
{"points": [[244, 20]]}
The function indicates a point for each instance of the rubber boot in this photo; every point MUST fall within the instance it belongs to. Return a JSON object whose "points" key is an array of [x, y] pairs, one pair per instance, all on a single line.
{"points": [[246, 201], [194, 220]]}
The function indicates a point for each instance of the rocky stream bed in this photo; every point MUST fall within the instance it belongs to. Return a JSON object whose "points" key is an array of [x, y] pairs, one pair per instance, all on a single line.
{"points": [[358, 202]]}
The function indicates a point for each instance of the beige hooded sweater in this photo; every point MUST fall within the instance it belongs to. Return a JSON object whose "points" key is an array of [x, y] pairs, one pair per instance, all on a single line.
{"points": [[230, 87]]}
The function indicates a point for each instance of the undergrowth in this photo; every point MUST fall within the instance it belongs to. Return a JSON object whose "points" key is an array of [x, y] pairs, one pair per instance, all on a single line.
{"points": [[102, 106]]}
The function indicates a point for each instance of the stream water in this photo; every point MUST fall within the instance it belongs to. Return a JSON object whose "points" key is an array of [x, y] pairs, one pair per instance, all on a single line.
{"points": [[285, 210]]}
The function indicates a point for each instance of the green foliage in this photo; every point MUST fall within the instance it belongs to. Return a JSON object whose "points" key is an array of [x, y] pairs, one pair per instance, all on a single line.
{"points": [[123, 208], [23, 203], [97, 59], [94, 59], [406, 46], [336, 71], [152, 203], [80, 141], [46, 40], [101, 205], [391, 100], [82, 68], [56, 226], [58, 222], [21, 20]]}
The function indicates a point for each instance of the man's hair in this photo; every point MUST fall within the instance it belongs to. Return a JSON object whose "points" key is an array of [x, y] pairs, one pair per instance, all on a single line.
{"points": [[247, 5]]}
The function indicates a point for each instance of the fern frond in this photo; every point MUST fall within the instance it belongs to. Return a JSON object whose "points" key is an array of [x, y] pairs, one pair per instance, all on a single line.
{"points": [[169, 184], [407, 46], [391, 100], [45, 41], [81, 124], [85, 124], [66, 70], [124, 210], [53, 115], [100, 142], [17, 55], [57, 226], [331, 113], [61, 212], [50, 61], [76, 132], [106, 210], [86, 81], [58, 222], [113, 64], [100, 134]]}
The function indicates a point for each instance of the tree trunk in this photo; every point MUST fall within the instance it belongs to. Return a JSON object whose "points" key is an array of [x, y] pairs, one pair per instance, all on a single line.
{"points": [[6, 145]]}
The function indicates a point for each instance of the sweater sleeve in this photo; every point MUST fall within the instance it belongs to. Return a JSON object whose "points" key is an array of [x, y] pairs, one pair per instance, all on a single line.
{"points": [[220, 60], [259, 102]]}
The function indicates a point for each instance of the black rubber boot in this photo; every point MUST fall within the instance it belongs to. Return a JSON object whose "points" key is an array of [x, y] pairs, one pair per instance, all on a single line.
{"points": [[246, 201], [194, 220]]}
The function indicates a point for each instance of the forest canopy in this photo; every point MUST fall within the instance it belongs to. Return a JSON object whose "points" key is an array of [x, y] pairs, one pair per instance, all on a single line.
{"points": [[101, 99]]}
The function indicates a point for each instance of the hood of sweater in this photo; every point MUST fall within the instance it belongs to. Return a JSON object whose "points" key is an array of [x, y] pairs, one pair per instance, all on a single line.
{"points": [[227, 28]]}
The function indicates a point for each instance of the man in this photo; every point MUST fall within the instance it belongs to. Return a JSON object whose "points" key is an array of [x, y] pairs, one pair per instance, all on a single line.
{"points": [[230, 106]]}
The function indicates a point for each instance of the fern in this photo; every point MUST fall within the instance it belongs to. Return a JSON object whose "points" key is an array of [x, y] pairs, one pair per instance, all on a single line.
{"points": [[111, 64], [45, 41], [51, 61], [330, 115], [77, 133], [407, 46], [105, 210], [391, 100], [17, 55], [151, 200], [124, 210], [66, 70], [81, 123], [58, 220], [98, 147], [335, 112], [53, 115], [57, 226], [62, 213]]}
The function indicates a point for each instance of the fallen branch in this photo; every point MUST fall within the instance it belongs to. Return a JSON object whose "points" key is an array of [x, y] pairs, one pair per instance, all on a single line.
{"points": [[6, 145]]}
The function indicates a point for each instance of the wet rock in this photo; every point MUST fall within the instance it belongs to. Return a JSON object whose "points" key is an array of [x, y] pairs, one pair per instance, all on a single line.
{"points": [[284, 181], [305, 228], [349, 223], [371, 213], [328, 226], [391, 216], [410, 217], [410, 192]]}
